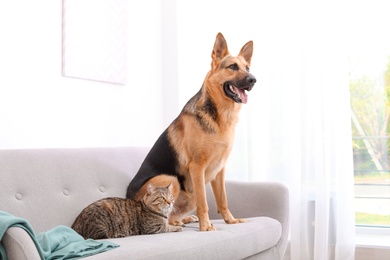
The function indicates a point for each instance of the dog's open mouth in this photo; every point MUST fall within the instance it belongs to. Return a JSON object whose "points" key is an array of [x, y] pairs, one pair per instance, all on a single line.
{"points": [[238, 94]]}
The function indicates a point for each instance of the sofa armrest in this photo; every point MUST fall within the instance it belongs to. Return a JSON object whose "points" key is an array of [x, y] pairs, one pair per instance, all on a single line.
{"points": [[19, 245], [257, 199]]}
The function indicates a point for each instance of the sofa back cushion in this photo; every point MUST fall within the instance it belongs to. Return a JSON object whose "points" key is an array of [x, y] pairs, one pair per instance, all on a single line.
{"points": [[50, 187]]}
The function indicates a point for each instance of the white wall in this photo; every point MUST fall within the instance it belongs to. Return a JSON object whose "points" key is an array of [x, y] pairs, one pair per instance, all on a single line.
{"points": [[39, 108], [167, 63]]}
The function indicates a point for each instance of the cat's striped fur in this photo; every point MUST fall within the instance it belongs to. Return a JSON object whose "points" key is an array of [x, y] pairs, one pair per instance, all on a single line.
{"points": [[118, 217]]}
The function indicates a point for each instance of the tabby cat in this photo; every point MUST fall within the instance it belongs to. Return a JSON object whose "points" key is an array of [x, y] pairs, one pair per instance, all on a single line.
{"points": [[118, 217]]}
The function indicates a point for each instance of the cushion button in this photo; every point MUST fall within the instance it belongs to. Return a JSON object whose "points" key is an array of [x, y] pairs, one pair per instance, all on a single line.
{"points": [[102, 189], [18, 196], [66, 192]]}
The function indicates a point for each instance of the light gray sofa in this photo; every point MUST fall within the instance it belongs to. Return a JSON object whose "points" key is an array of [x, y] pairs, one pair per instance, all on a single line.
{"points": [[49, 187]]}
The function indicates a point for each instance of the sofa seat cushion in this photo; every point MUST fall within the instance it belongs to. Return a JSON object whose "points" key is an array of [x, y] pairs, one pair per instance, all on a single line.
{"points": [[257, 235]]}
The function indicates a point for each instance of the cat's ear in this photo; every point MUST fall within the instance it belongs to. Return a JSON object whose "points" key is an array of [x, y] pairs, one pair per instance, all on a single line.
{"points": [[150, 188], [170, 187]]}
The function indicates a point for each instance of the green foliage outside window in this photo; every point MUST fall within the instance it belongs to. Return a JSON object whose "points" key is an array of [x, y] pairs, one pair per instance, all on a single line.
{"points": [[370, 108]]}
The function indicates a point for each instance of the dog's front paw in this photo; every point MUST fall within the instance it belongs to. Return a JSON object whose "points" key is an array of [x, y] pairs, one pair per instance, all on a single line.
{"points": [[229, 219], [235, 220], [208, 227]]}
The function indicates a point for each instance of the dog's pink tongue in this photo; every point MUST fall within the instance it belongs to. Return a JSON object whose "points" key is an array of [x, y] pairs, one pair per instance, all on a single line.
{"points": [[243, 95]]}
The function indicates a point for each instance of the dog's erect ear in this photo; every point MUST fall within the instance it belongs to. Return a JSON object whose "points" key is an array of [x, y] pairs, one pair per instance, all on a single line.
{"points": [[220, 49], [247, 51]]}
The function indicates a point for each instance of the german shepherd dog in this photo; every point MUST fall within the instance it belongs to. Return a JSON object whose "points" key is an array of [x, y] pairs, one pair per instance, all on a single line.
{"points": [[194, 148]]}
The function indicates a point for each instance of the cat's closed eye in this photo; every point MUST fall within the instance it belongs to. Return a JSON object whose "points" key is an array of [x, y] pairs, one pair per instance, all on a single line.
{"points": [[167, 200]]}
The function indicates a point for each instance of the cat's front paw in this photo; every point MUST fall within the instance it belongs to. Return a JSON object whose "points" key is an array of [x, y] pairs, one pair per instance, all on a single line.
{"points": [[176, 223], [175, 228]]}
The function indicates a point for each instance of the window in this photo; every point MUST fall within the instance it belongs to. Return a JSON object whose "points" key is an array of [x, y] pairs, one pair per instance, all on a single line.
{"points": [[370, 107]]}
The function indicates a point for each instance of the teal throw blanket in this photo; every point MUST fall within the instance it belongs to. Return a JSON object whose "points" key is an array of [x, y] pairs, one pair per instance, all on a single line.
{"points": [[60, 242]]}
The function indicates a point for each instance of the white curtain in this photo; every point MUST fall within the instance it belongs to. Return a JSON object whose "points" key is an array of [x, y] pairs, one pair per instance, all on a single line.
{"points": [[305, 140], [296, 127]]}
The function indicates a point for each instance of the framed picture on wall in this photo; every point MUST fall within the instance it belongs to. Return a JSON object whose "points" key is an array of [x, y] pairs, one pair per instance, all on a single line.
{"points": [[94, 40]]}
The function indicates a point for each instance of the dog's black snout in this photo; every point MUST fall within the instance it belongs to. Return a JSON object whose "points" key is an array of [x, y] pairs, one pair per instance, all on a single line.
{"points": [[250, 79]]}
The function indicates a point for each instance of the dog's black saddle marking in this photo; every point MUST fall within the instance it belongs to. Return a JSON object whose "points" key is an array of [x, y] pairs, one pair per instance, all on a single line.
{"points": [[161, 159]]}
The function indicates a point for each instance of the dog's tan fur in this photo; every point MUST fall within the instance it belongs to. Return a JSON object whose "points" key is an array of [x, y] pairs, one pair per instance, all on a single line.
{"points": [[202, 137]]}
